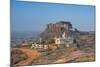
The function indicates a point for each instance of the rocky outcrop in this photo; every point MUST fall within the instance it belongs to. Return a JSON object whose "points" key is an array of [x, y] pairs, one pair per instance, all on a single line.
{"points": [[56, 28], [20, 56]]}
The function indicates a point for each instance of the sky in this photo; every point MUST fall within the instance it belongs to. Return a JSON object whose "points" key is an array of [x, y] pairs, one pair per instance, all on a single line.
{"points": [[33, 16]]}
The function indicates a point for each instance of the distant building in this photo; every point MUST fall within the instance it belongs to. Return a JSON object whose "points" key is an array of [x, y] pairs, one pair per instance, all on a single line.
{"points": [[64, 39], [39, 46], [60, 39]]}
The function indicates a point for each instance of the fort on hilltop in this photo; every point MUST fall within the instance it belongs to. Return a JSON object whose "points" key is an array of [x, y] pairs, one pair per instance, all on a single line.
{"points": [[53, 29]]}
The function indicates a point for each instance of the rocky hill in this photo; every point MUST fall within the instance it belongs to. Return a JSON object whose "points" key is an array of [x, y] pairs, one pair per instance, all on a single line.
{"points": [[56, 28]]}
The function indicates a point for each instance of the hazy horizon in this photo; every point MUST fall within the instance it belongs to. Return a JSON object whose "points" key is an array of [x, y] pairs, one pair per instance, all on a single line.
{"points": [[33, 16]]}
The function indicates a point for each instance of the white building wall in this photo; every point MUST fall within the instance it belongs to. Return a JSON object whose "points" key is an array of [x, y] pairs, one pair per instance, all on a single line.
{"points": [[59, 41]]}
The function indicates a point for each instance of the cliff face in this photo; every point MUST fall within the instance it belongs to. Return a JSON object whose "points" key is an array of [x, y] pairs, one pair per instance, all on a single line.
{"points": [[56, 28]]}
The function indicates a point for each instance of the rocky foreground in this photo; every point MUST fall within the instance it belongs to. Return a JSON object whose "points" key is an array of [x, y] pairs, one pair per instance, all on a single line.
{"points": [[26, 56]]}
